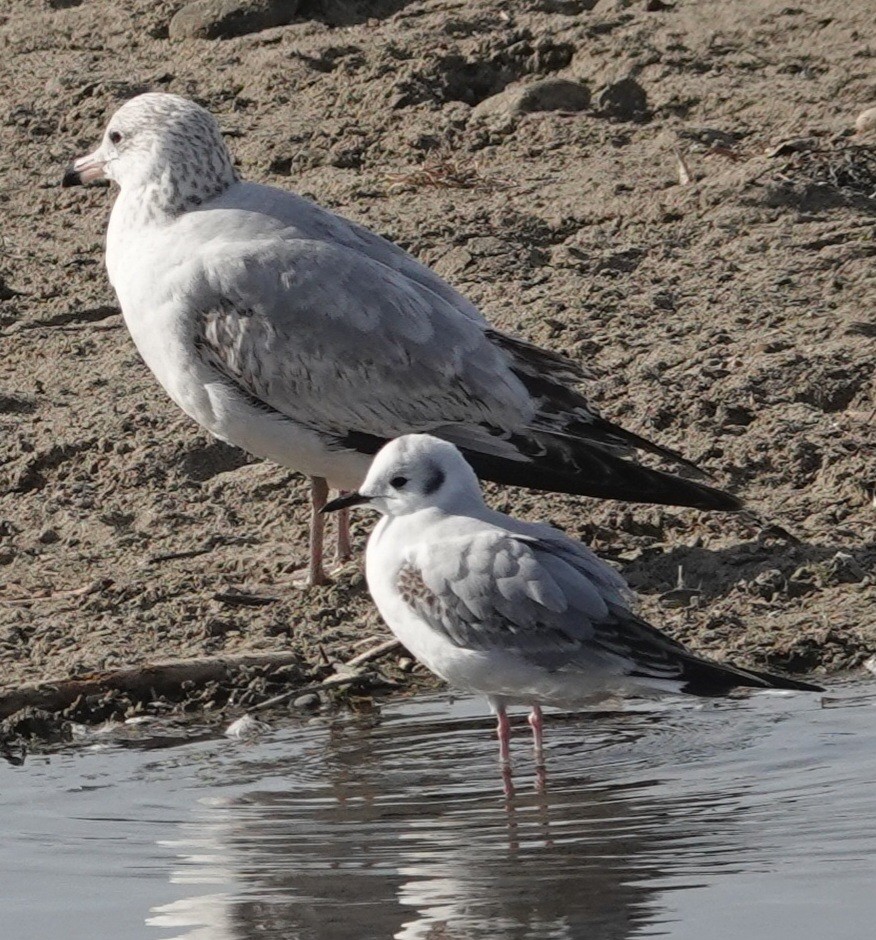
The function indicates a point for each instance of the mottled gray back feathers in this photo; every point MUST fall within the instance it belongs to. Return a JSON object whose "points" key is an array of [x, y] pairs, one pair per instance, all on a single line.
{"points": [[290, 322], [499, 591]]}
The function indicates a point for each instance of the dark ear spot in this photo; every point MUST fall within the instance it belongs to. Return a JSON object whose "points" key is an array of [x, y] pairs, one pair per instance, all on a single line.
{"points": [[434, 481]]}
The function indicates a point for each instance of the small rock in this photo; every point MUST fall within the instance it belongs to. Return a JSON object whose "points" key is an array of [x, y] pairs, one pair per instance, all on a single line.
{"points": [[245, 727], [802, 582], [405, 664], [768, 584], [737, 415], [710, 137], [224, 19], [551, 94], [6, 292], [681, 597], [624, 100], [866, 121], [310, 700], [870, 665], [792, 145], [218, 627], [49, 537], [14, 754], [566, 7], [843, 568]]}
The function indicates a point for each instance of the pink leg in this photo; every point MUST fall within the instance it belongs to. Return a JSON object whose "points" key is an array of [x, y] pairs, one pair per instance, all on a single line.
{"points": [[503, 730], [344, 549], [535, 722], [508, 787], [318, 498]]}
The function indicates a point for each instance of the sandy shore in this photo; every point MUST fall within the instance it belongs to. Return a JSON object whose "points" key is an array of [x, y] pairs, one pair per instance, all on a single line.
{"points": [[695, 227]]}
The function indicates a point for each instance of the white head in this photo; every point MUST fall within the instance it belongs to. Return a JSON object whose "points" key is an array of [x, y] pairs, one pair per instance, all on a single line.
{"points": [[167, 149], [416, 472]]}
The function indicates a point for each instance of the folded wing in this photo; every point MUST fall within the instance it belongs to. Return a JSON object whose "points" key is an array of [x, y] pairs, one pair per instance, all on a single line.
{"points": [[497, 591], [359, 352]]}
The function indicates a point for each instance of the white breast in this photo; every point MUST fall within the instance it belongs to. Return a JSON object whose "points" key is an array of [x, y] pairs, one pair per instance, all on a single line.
{"points": [[152, 282]]}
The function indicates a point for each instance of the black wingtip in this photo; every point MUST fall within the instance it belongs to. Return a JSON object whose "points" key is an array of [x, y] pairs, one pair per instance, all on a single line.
{"points": [[586, 469], [705, 678]]}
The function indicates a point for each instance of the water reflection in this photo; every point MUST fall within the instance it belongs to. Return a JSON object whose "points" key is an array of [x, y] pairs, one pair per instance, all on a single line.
{"points": [[394, 825], [398, 828]]}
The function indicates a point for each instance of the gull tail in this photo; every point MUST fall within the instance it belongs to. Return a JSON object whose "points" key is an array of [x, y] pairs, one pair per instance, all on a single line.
{"points": [[582, 467], [569, 448], [703, 677], [658, 661]]}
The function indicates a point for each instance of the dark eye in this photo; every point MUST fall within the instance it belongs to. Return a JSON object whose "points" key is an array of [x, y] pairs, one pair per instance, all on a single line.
{"points": [[115, 137], [398, 482]]}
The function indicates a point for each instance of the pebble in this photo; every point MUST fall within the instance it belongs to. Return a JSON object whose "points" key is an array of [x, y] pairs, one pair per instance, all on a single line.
{"points": [[844, 568], [245, 727], [625, 100], [550, 94], [866, 121], [224, 19], [310, 700]]}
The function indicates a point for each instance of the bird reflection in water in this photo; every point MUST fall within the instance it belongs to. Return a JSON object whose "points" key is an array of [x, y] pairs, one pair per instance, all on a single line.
{"points": [[372, 828]]}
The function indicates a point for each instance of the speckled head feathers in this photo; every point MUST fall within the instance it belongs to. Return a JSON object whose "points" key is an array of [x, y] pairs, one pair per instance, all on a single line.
{"points": [[166, 149]]}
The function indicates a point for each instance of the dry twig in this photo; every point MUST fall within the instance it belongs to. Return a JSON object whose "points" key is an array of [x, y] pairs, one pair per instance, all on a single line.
{"points": [[25, 599], [444, 173], [685, 177], [347, 673]]}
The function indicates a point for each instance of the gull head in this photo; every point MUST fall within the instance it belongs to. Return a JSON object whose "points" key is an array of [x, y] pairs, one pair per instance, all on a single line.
{"points": [[415, 472], [165, 150]]}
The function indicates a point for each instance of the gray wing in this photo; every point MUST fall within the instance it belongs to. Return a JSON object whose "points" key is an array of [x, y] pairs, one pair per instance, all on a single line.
{"points": [[307, 321], [308, 220], [609, 582], [340, 342], [501, 591]]}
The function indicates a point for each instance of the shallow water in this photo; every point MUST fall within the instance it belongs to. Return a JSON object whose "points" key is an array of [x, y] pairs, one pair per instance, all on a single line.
{"points": [[737, 818]]}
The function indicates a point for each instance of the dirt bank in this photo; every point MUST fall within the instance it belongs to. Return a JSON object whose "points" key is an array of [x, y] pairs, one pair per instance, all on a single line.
{"points": [[719, 286]]}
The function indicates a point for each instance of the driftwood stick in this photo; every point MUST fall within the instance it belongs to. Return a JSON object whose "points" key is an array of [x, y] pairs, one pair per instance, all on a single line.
{"points": [[23, 599], [147, 679], [374, 653]]}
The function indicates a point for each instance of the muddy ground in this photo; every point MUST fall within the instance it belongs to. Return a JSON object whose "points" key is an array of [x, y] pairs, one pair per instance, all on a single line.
{"points": [[706, 250]]}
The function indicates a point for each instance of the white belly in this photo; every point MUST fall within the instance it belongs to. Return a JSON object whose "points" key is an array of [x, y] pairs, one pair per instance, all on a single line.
{"points": [[165, 340]]}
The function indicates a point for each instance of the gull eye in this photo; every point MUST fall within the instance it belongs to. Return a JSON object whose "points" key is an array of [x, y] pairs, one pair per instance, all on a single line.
{"points": [[115, 137], [398, 482]]}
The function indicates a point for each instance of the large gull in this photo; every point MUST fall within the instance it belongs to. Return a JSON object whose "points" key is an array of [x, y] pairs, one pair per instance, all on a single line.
{"points": [[516, 611], [305, 338]]}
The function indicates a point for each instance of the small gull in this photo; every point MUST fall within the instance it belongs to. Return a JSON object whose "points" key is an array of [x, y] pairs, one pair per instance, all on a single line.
{"points": [[516, 611], [299, 336]]}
